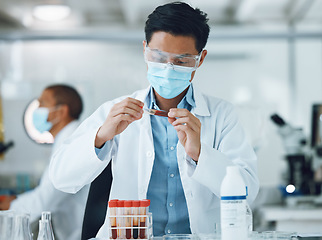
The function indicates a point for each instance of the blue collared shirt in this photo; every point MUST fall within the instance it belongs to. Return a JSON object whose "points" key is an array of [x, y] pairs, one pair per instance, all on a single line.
{"points": [[168, 203]]}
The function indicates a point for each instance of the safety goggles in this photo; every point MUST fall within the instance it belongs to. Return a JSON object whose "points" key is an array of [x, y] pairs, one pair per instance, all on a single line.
{"points": [[179, 62]]}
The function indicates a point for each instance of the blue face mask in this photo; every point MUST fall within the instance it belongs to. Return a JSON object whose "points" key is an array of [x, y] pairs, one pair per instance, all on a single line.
{"points": [[39, 119], [168, 81]]}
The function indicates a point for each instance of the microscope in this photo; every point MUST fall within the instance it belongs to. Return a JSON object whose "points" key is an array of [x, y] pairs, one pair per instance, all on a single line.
{"points": [[304, 173], [5, 146]]}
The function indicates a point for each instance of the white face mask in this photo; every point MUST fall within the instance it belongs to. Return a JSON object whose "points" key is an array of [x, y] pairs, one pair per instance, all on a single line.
{"points": [[167, 81], [40, 119]]}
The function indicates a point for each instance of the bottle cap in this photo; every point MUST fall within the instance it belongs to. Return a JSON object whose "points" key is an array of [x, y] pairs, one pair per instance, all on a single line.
{"points": [[120, 203], [128, 203], [136, 203], [233, 170], [145, 203], [113, 203]]}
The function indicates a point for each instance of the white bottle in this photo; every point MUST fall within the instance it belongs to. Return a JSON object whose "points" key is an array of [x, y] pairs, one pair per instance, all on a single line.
{"points": [[233, 205]]}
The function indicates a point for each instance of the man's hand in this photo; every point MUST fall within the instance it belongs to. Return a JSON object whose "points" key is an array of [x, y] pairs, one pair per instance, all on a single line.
{"points": [[188, 129], [5, 202], [121, 115]]}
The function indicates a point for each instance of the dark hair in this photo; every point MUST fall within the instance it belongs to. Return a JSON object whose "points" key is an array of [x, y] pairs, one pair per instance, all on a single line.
{"points": [[179, 18], [68, 95]]}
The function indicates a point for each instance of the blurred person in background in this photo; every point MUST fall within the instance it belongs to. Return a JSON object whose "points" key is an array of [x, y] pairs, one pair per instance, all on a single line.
{"points": [[60, 106]]}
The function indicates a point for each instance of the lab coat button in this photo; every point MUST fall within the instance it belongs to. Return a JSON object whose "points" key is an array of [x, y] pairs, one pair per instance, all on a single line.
{"points": [[149, 154]]}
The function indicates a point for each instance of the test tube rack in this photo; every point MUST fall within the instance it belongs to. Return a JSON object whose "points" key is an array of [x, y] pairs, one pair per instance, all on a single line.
{"points": [[126, 229]]}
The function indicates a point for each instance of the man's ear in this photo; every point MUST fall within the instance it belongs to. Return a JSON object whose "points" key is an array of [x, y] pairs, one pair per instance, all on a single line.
{"points": [[64, 110], [202, 57]]}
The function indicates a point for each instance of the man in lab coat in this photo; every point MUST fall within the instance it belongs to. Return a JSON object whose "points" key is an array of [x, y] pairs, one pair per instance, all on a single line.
{"points": [[178, 161], [59, 108]]}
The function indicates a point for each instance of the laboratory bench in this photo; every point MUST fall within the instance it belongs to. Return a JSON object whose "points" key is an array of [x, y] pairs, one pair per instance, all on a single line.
{"points": [[293, 219]]}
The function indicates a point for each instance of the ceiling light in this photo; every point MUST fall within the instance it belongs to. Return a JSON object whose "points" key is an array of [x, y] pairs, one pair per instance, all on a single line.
{"points": [[52, 12]]}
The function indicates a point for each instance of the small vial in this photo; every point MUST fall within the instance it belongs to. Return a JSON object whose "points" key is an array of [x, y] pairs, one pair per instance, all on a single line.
{"points": [[128, 218], [144, 209], [135, 211], [112, 204], [120, 219]]}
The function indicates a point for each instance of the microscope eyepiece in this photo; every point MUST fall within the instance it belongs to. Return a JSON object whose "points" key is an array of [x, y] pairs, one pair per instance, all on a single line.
{"points": [[5, 146], [278, 120]]}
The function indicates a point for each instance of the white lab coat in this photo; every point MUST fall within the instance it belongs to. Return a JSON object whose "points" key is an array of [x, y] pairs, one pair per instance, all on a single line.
{"points": [[67, 209], [223, 143]]}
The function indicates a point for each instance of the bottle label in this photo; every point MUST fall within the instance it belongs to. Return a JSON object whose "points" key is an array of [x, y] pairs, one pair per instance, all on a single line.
{"points": [[233, 212]]}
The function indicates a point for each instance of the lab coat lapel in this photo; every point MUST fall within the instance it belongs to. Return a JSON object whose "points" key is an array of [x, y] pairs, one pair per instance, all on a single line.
{"points": [[146, 150], [201, 108]]}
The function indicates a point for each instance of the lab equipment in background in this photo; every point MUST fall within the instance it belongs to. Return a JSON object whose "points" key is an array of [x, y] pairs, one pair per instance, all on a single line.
{"points": [[5, 146], [316, 143], [233, 205], [130, 217], [293, 138], [11, 185], [6, 225], [299, 177]]}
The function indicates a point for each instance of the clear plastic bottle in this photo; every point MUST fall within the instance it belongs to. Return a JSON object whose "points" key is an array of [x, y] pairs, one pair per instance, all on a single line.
{"points": [[44, 231], [233, 205]]}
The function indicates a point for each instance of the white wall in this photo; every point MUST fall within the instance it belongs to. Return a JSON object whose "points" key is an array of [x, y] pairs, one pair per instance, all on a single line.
{"points": [[251, 74]]}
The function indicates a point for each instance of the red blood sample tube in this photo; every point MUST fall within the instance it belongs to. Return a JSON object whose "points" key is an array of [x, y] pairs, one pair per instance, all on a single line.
{"points": [[144, 209], [112, 204], [120, 219], [135, 211], [128, 218]]}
